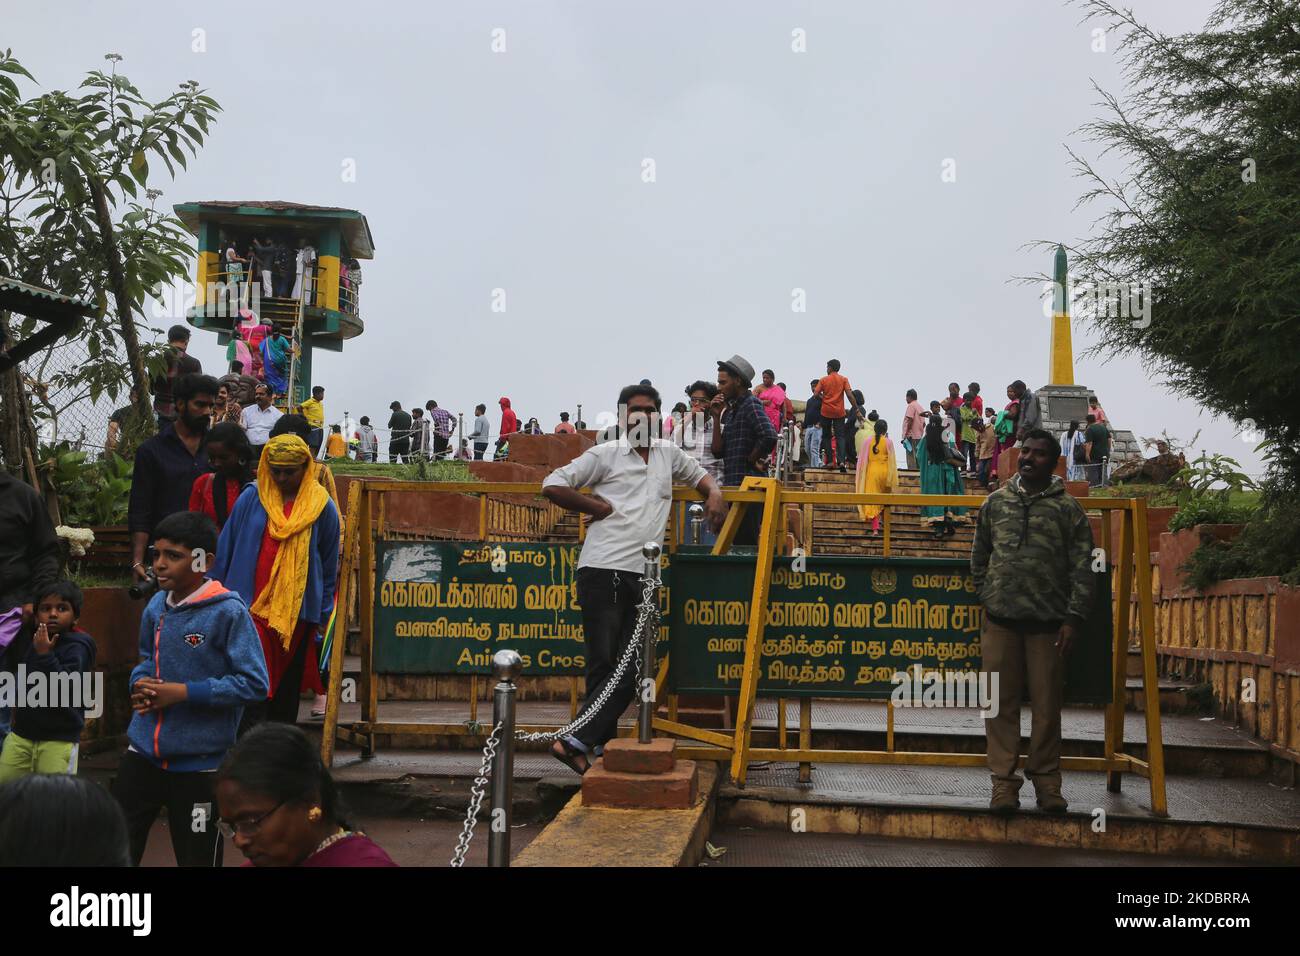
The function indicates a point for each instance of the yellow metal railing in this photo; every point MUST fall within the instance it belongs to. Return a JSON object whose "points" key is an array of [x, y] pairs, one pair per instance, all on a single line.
{"points": [[1130, 560]]}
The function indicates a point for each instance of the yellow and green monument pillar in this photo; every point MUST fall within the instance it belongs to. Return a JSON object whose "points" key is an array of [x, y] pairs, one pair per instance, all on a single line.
{"points": [[1062, 400], [1061, 360]]}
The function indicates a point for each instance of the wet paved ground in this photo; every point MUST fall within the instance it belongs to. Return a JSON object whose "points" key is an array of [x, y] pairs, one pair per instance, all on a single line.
{"points": [[1077, 723], [408, 842], [746, 846], [1191, 799]]}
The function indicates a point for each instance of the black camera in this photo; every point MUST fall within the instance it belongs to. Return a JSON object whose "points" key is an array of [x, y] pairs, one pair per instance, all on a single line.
{"points": [[145, 589]]}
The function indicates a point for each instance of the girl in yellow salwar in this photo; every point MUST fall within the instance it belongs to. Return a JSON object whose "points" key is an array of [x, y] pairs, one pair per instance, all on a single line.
{"points": [[877, 472]]}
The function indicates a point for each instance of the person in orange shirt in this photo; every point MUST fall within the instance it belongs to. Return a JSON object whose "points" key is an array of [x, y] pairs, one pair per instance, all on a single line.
{"points": [[565, 427], [832, 391], [335, 446]]}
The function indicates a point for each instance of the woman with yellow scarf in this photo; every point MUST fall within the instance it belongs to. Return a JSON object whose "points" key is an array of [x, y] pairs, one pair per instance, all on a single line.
{"points": [[279, 550]]}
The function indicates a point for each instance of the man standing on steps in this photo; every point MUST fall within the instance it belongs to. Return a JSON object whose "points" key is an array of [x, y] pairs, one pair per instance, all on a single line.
{"points": [[812, 427], [742, 436], [913, 427], [631, 480], [1031, 563], [1031, 416], [834, 390]]}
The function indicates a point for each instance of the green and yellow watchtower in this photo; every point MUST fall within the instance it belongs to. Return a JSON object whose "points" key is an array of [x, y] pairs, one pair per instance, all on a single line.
{"points": [[293, 266]]}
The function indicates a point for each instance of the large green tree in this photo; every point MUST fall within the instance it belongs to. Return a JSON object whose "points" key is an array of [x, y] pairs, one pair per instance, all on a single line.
{"points": [[1205, 208], [79, 216]]}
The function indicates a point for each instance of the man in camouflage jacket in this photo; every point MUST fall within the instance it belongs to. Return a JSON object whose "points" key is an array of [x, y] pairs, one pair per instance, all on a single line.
{"points": [[1031, 563]]}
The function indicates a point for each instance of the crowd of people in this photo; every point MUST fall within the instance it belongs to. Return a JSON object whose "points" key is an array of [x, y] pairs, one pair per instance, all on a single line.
{"points": [[1033, 578], [235, 537], [279, 266], [235, 534]]}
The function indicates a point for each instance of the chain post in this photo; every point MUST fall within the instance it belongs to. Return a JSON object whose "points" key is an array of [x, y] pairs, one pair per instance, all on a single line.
{"points": [[645, 690], [506, 665], [696, 511]]}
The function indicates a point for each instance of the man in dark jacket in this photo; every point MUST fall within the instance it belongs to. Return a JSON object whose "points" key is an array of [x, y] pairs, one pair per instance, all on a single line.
{"points": [[167, 464], [399, 434], [812, 428], [1031, 563]]}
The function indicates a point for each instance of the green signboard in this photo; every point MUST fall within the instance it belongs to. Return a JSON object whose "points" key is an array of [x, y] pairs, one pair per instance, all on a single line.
{"points": [[445, 607], [846, 628], [842, 630]]}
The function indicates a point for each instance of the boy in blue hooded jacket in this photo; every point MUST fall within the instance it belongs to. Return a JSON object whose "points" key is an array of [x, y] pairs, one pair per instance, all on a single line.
{"points": [[201, 664]]}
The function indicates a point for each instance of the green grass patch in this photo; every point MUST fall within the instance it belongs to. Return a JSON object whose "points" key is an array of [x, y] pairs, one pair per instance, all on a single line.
{"points": [[419, 471], [99, 578]]}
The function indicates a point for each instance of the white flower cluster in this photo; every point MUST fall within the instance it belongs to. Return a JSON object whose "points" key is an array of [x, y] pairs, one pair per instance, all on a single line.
{"points": [[79, 539]]}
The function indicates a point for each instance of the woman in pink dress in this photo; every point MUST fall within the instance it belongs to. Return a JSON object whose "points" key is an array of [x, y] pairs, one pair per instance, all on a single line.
{"points": [[773, 398], [252, 333]]}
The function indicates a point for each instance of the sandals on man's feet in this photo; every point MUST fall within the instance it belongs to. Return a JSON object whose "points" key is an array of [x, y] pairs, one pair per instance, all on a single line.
{"points": [[569, 757]]}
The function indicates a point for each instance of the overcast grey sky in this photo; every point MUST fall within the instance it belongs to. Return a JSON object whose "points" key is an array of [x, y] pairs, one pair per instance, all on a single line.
{"points": [[774, 170]]}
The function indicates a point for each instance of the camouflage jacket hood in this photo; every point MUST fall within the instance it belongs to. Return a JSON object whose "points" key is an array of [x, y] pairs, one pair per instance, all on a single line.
{"points": [[1032, 556]]}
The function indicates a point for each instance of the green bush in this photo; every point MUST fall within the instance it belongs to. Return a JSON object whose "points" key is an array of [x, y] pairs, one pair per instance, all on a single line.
{"points": [[1210, 511], [1269, 544], [91, 493]]}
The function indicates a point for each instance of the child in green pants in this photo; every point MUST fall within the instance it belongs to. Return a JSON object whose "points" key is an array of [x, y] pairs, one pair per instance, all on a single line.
{"points": [[53, 689]]}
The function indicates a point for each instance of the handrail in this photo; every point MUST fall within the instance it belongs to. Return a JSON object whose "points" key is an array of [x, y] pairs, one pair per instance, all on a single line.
{"points": [[310, 292], [684, 493]]}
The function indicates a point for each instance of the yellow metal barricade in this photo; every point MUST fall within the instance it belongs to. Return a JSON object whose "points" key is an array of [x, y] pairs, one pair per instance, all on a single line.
{"points": [[1130, 558]]}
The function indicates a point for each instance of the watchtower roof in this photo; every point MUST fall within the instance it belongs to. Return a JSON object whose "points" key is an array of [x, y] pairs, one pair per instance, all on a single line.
{"points": [[279, 212]]}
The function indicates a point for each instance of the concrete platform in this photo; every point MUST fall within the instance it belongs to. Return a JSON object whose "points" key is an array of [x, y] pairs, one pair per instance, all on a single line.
{"points": [[600, 836], [747, 846], [1226, 819]]}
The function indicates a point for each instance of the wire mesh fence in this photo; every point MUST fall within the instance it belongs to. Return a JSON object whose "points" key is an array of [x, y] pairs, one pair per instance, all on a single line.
{"points": [[63, 408]]}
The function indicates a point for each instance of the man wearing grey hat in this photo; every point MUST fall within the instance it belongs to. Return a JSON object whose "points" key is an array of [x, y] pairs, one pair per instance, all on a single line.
{"points": [[742, 435]]}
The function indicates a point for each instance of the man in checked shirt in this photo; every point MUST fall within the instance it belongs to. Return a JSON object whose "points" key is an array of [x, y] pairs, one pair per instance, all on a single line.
{"points": [[742, 435]]}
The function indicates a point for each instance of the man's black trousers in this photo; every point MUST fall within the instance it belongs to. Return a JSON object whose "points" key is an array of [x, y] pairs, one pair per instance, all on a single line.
{"points": [[609, 609], [839, 427]]}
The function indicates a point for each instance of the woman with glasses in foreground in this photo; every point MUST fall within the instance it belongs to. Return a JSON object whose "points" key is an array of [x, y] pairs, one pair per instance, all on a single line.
{"points": [[279, 804]]}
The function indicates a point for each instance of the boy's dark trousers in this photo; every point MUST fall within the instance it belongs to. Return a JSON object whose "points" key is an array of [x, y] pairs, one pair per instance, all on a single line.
{"points": [[609, 602], [143, 789]]}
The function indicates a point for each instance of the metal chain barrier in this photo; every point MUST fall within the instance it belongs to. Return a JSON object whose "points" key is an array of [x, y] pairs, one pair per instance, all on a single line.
{"points": [[476, 798], [647, 615]]}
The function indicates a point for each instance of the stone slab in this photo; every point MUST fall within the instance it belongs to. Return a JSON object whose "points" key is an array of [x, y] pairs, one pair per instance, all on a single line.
{"points": [[626, 755], [675, 789], [582, 835]]}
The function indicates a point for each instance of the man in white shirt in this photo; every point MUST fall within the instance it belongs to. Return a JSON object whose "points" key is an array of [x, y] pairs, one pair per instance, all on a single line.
{"points": [[631, 481], [258, 419]]}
